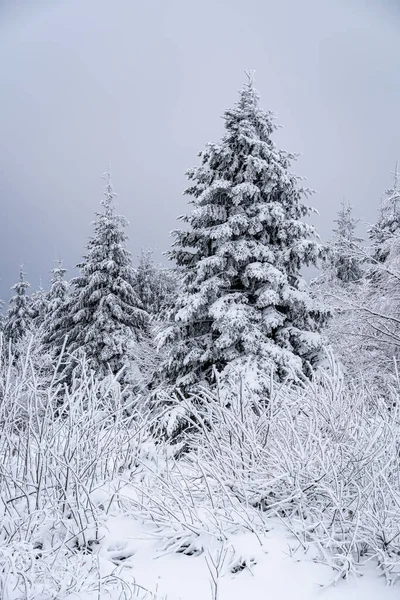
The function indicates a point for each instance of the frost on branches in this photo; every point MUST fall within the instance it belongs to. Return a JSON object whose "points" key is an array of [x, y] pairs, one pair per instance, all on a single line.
{"points": [[244, 299], [18, 321], [103, 315]]}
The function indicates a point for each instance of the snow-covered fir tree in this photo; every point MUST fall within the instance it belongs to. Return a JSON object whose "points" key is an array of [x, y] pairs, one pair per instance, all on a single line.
{"points": [[19, 318], [103, 315], [155, 286], [58, 292], [39, 306], [386, 231], [344, 258], [56, 303], [2, 316], [244, 300]]}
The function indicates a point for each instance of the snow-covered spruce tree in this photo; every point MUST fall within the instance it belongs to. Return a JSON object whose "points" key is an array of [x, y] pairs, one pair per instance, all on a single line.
{"points": [[39, 306], [244, 302], [387, 229], [56, 304], [345, 261], [155, 286], [103, 316], [2, 317], [58, 292], [18, 321]]}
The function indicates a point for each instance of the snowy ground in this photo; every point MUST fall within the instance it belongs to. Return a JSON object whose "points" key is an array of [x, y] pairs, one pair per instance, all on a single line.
{"points": [[277, 568]]}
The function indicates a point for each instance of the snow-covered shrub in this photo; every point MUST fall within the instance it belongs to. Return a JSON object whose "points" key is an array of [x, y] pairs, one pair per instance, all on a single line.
{"points": [[62, 467], [324, 456]]}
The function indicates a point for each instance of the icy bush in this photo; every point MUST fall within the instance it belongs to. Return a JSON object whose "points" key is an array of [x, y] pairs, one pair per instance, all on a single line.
{"points": [[62, 466], [323, 456]]}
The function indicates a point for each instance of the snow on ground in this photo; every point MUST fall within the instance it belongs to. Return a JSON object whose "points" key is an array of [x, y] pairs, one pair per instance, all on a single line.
{"points": [[274, 567]]}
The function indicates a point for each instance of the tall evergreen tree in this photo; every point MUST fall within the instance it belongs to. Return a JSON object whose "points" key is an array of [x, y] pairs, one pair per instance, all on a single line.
{"points": [[20, 314], [241, 254], [103, 315], [345, 262]]}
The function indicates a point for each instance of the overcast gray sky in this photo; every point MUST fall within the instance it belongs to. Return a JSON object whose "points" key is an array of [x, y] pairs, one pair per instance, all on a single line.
{"points": [[142, 85]]}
